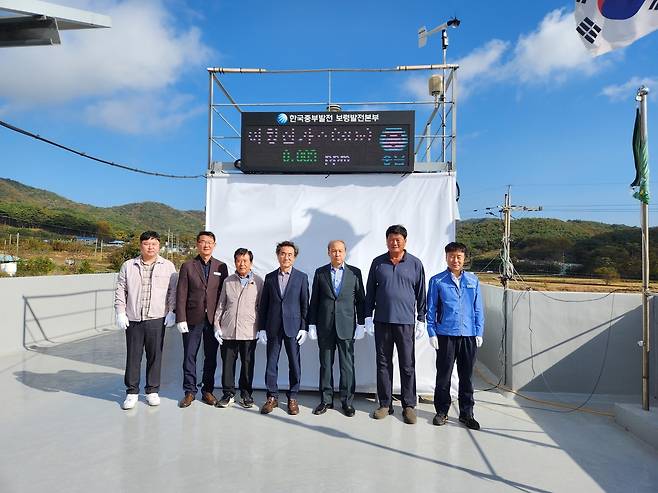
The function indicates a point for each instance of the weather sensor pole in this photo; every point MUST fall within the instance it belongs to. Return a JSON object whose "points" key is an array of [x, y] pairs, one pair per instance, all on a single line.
{"points": [[435, 90]]}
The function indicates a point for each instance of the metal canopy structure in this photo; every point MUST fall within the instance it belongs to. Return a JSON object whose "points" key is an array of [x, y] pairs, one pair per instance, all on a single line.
{"points": [[37, 23], [224, 112]]}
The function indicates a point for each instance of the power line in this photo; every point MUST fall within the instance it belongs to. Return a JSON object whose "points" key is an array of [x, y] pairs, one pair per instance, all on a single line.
{"points": [[93, 158]]}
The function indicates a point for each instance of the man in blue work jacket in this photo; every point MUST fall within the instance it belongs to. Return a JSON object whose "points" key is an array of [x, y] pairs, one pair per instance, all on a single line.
{"points": [[455, 325]]}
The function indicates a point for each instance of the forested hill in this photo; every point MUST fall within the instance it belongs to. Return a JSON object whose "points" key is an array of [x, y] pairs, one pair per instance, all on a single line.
{"points": [[538, 245], [555, 246], [24, 206]]}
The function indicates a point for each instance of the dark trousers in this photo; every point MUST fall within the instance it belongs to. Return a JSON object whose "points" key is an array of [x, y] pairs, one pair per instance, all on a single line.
{"points": [[327, 350], [230, 350], [191, 343], [463, 350], [402, 336], [148, 336], [272, 368]]}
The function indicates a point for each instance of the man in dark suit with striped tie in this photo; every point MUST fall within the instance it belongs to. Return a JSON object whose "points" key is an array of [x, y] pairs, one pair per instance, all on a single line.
{"points": [[336, 318]]}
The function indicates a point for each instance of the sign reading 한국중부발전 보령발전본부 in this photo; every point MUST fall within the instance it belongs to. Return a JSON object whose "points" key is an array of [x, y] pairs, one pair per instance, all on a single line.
{"points": [[327, 142]]}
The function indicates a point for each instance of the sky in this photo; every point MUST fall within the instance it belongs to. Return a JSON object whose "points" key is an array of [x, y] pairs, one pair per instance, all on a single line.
{"points": [[536, 111]]}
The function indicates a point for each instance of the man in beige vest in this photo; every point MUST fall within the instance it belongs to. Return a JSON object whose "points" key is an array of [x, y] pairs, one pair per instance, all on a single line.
{"points": [[236, 328]]}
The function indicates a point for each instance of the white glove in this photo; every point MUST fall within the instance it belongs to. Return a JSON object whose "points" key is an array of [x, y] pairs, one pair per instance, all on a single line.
{"points": [[478, 341], [218, 335], [170, 319], [301, 337], [312, 332], [434, 342], [262, 337], [182, 327], [370, 326], [122, 321], [421, 327], [359, 332]]}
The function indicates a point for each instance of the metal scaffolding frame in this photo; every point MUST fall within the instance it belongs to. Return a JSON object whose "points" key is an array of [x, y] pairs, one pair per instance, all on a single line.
{"points": [[442, 143]]}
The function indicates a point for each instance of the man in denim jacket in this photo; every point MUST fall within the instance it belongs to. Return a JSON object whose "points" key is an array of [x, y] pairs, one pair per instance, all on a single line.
{"points": [[455, 325]]}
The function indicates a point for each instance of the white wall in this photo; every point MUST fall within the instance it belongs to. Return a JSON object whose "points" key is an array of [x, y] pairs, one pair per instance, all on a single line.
{"points": [[43, 310], [552, 345], [563, 341], [49, 310]]}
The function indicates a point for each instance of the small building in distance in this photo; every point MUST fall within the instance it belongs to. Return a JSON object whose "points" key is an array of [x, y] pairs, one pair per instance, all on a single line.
{"points": [[8, 264]]}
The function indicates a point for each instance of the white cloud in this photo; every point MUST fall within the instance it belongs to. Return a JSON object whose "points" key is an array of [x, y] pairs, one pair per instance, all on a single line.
{"points": [[471, 67], [552, 51], [416, 85], [141, 114], [482, 60], [143, 53], [626, 91]]}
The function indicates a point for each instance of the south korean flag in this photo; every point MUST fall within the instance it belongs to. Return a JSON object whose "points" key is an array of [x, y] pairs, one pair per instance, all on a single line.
{"points": [[605, 25]]}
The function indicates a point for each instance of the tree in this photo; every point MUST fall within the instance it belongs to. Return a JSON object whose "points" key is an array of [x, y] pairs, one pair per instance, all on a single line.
{"points": [[104, 231], [85, 267], [120, 255], [608, 274], [36, 266]]}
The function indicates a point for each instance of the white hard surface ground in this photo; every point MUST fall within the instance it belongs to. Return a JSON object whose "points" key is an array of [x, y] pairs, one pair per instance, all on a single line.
{"points": [[62, 429]]}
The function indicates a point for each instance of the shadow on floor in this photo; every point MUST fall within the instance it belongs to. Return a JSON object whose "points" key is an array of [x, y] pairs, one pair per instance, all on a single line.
{"points": [[98, 385]]}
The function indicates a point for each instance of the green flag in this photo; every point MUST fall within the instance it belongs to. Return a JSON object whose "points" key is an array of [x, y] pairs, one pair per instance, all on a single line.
{"points": [[641, 156]]}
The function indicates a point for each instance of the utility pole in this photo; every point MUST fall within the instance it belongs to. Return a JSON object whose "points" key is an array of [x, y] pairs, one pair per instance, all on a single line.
{"points": [[18, 235], [507, 271], [169, 241], [506, 209]]}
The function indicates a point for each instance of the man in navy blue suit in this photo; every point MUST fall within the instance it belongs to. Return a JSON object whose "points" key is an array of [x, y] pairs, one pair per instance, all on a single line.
{"points": [[282, 320]]}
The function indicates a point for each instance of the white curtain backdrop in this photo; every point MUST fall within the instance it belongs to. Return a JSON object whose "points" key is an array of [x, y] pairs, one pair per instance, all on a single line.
{"points": [[257, 211]]}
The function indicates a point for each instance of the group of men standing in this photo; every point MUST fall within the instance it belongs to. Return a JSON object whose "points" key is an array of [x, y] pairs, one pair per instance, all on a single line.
{"points": [[234, 312]]}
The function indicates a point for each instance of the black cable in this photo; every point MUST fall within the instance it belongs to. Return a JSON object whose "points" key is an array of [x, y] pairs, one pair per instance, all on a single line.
{"points": [[85, 155], [530, 288], [603, 362], [532, 355]]}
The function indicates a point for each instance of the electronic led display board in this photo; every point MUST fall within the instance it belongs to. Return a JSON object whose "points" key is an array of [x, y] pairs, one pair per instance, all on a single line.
{"points": [[327, 142]]}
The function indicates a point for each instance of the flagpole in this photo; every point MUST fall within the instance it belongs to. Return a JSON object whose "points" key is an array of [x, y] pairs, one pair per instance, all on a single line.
{"points": [[642, 93]]}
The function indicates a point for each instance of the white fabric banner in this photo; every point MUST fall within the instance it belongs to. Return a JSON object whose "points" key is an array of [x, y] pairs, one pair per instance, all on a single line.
{"points": [[604, 26], [257, 211]]}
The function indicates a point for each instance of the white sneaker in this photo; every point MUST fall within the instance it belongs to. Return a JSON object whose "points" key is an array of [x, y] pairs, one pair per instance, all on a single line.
{"points": [[130, 402], [153, 399]]}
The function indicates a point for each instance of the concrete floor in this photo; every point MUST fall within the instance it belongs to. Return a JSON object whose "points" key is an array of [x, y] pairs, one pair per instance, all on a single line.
{"points": [[63, 430]]}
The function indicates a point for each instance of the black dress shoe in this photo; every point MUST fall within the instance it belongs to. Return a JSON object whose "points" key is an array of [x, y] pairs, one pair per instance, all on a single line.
{"points": [[349, 410], [322, 408], [470, 422]]}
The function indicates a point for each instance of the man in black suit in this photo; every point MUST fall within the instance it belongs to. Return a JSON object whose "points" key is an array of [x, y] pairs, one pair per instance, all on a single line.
{"points": [[337, 306], [282, 320]]}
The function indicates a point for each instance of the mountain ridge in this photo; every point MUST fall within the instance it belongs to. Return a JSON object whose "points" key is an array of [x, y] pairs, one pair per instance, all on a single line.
{"points": [[23, 205]]}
